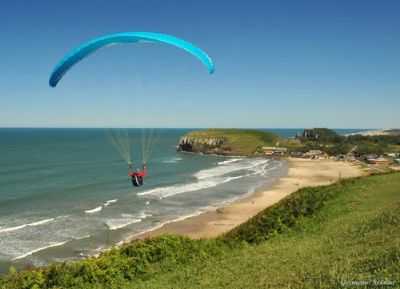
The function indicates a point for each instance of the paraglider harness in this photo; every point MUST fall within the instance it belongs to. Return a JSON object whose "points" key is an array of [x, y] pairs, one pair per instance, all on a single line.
{"points": [[138, 175]]}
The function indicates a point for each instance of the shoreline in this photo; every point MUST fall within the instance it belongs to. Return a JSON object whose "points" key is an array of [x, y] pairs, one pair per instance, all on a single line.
{"points": [[216, 220], [212, 223], [48, 252]]}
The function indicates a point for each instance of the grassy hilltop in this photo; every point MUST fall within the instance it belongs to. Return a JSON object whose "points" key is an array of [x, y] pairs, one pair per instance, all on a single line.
{"points": [[250, 142], [333, 143], [234, 141], [323, 237]]}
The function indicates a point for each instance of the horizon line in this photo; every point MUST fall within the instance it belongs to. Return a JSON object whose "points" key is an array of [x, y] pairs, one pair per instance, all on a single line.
{"points": [[125, 127]]}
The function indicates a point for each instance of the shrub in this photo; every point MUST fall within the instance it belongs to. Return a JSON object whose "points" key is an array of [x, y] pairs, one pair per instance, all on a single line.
{"points": [[283, 215]]}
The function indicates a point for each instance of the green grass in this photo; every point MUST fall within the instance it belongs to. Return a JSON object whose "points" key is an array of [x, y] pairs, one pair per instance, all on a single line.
{"points": [[322, 237], [394, 148], [240, 141]]}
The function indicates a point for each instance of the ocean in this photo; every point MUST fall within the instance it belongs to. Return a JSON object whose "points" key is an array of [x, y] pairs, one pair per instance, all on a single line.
{"points": [[65, 193]]}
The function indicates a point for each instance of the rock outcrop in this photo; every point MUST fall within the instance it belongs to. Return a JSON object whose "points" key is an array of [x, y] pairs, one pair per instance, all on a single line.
{"points": [[228, 142], [207, 145]]}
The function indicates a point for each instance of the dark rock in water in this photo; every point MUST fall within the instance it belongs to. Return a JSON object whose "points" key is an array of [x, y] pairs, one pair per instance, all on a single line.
{"points": [[207, 145]]}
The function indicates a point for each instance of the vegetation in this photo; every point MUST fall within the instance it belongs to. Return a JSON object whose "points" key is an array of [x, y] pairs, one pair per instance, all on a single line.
{"points": [[240, 141], [375, 144], [250, 142], [330, 142], [321, 135], [324, 237]]}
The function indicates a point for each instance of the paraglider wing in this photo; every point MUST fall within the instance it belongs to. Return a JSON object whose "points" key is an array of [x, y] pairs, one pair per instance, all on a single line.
{"points": [[93, 45]]}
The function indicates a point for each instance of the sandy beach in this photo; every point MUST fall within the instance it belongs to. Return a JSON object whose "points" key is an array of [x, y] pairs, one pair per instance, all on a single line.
{"points": [[301, 173]]}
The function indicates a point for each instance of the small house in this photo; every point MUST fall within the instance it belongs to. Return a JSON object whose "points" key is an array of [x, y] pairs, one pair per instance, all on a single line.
{"points": [[378, 161], [275, 151]]}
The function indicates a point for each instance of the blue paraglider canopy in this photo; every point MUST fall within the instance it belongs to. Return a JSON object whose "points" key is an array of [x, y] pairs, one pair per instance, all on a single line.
{"points": [[93, 45]]}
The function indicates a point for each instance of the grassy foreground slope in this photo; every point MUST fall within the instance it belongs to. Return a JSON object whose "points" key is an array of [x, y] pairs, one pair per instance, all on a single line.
{"points": [[324, 237]]}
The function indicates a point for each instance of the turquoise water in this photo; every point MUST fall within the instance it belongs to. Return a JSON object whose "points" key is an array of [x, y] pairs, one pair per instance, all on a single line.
{"points": [[64, 193]]}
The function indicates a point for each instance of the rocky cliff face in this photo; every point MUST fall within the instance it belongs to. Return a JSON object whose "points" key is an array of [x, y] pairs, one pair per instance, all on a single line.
{"points": [[207, 145]]}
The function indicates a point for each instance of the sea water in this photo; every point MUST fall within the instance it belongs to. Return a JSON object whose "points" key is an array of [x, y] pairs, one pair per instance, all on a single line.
{"points": [[65, 193]]}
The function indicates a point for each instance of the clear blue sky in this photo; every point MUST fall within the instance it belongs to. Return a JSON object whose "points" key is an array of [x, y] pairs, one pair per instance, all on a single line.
{"points": [[278, 64]]}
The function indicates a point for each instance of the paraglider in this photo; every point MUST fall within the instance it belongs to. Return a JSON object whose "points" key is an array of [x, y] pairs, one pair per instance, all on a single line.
{"points": [[87, 48], [121, 140], [138, 176]]}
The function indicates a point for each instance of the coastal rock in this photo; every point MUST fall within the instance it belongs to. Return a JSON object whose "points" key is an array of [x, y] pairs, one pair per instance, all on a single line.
{"points": [[205, 145], [228, 142]]}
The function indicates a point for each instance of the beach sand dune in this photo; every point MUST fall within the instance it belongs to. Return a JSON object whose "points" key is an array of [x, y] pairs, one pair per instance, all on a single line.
{"points": [[302, 173]]}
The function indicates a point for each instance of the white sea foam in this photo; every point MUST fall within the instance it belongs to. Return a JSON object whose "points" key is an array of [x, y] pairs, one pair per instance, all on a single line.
{"points": [[228, 161], [172, 160], [53, 244], [118, 223], [121, 223], [15, 228], [109, 202], [209, 178], [10, 229], [126, 220], [164, 192], [168, 191], [82, 237], [41, 222], [230, 168], [95, 210], [143, 215]]}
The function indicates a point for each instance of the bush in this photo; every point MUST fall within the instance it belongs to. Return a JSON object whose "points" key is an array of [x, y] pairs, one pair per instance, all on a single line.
{"points": [[283, 215], [138, 260], [369, 148]]}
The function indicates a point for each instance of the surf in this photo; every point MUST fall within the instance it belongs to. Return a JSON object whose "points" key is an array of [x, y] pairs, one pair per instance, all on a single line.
{"points": [[231, 167], [125, 220], [51, 245], [19, 227], [94, 210]]}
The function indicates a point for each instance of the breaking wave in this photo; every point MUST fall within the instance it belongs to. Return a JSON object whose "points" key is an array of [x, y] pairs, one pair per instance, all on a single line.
{"points": [[95, 210], [125, 220], [164, 192], [54, 244], [109, 202], [213, 177], [228, 161], [230, 168], [172, 160], [15, 228]]}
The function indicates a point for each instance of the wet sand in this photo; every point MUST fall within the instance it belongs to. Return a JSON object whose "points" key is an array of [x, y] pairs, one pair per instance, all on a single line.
{"points": [[301, 173]]}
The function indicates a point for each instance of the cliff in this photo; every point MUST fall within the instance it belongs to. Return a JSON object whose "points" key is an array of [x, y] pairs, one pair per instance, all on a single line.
{"points": [[209, 145], [227, 141]]}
